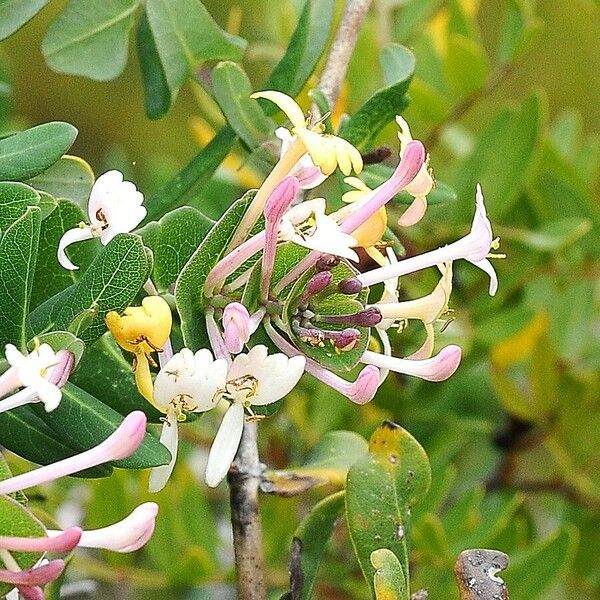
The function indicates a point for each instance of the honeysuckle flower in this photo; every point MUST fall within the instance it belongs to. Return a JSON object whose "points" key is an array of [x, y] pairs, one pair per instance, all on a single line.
{"points": [[320, 231], [474, 247], [326, 151], [437, 368], [142, 330], [41, 374], [187, 383], [114, 206], [30, 578], [427, 309], [308, 174], [254, 379], [239, 325], [123, 442], [420, 186], [127, 535]]}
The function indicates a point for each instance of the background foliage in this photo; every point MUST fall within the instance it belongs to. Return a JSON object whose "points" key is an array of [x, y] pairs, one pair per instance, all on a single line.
{"points": [[503, 94]]}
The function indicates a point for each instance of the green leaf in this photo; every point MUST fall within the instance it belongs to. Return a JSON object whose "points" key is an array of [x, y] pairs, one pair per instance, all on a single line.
{"points": [[501, 160], [519, 30], [90, 38], [62, 340], [193, 176], [232, 90], [50, 276], [363, 126], [312, 536], [25, 434], [85, 422], [157, 94], [17, 521], [111, 282], [18, 253], [106, 374], [328, 463], [173, 240], [553, 235], [188, 289], [466, 66], [14, 200], [28, 153], [15, 13], [380, 491], [389, 581], [185, 36], [71, 178], [304, 50], [533, 572]]}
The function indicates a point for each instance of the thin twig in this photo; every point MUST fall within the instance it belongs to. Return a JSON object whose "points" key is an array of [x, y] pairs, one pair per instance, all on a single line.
{"points": [[336, 66], [243, 481]]}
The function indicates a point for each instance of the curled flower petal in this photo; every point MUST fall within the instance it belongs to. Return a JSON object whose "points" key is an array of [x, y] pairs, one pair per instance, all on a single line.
{"points": [[225, 445], [437, 368], [169, 438], [286, 104], [77, 234]]}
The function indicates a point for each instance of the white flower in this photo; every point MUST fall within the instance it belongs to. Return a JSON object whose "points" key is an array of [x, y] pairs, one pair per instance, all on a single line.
{"points": [[115, 206], [254, 379], [30, 371], [324, 235], [187, 383]]}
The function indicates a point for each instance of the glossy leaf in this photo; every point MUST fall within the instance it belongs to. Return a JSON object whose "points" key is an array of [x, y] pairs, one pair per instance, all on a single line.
{"points": [[304, 50], [232, 90], [188, 289], [389, 581], [28, 153], [380, 491], [173, 240], [362, 128], [18, 253], [16, 520], [111, 282], [70, 177], [311, 537], [90, 39], [14, 200], [15, 13], [84, 421], [185, 36], [62, 340]]}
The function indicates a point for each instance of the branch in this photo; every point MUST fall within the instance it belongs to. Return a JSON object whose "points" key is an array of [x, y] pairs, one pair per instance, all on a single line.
{"points": [[244, 479], [336, 66]]}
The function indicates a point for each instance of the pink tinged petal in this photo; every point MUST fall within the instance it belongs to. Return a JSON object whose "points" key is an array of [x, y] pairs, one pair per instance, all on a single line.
{"points": [[225, 445], [77, 234], [405, 172], [168, 438], [236, 327], [438, 368], [64, 542], [414, 213], [126, 535], [59, 373], [122, 443], [30, 592], [35, 576], [215, 337], [308, 177]]}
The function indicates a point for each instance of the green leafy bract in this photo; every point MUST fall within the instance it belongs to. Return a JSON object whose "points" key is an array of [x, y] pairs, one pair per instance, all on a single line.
{"points": [[15, 13]]}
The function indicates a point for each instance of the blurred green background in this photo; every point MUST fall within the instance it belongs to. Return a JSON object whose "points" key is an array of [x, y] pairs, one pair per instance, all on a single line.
{"points": [[513, 436]]}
